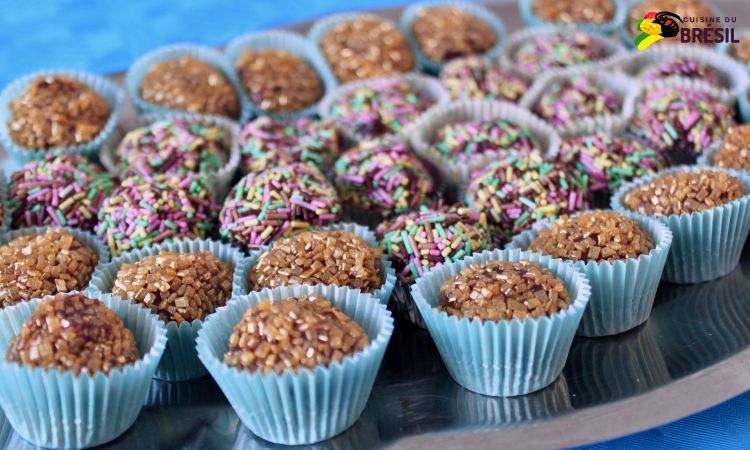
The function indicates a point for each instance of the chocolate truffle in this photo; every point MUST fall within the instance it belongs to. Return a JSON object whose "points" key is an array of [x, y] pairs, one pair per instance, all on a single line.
{"points": [[144, 211], [278, 202], [57, 111], [189, 84], [382, 176], [43, 264], [74, 332], [266, 143], [593, 236], [292, 334], [575, 11], [279, 81], [681, 67], [173, 147], [178, 287], [503, 290], [604, 161], [383, 107], [62, 190], [556, 50], [684, 192], [463, 141], [683, 8], [419, 241], [340, 258], [476, 77], [447, 32], [741, 50], [364, 48], [567, 101], [734, 152], [517, 192]]}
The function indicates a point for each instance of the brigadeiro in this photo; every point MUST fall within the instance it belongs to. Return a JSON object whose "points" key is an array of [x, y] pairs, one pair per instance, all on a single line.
{"points": [[41, 264], [446, 32], [517, 192], [741, 50], [62, 190], [734, 151], [477, 77], [189, 84], [266, 143], [337, 257], [278, 202], [74, 332], [366, 47], [383, 177], [682, 8], [571, 99], [144, 211], [57, 111], [173, 146], [297, 332], [279, 81], [557, 50], [575, 11], [681, 67]]}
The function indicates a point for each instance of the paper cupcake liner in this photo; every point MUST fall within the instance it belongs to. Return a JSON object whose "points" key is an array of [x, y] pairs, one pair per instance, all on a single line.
{"points": [[628, 31], [504, 358], [427, 86], [387, 273], [707, 244], [293, 43], [221, 180], [623, 292], [515, 39], [724, 47], [307, 406], [140, 68], [58, 409], [109, 91], [424, 63], [4, 209], [180, 361], [526, 8], [458, 173]]}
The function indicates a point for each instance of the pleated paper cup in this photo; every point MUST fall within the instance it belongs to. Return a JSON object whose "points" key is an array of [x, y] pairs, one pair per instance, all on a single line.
{"points": [[4, 209], [504, 358], [57, 409], [526, 8], [622, 292], [706, 244], [430, 66], [180, 361], [109, 91], [306, 406]]}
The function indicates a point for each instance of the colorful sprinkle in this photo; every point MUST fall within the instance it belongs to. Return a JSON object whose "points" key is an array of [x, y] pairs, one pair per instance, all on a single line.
{"points": [[681, 67], [476, 77], [462, 141], [566, 101], [556, 50]]}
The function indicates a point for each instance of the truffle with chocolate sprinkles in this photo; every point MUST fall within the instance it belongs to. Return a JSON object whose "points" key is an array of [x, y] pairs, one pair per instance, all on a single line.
{"points": [[447, 32], [76, 333], [557, 50], [593, 236], [681, 67], [575, 11], [734, 152], [503, 290], [278, 202], [63, 190], [477, 77], [684, 192], [572, 99], [463, 141], [293, 334]]}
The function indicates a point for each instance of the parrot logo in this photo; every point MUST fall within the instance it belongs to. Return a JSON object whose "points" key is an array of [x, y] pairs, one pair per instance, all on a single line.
{"points": [[655, 27]]}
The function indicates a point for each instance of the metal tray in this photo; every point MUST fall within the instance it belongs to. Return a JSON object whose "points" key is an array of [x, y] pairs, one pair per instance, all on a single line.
{"points": [[694, 352]]}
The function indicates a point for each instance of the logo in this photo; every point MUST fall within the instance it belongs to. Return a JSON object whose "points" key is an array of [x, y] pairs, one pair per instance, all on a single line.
{"points": [[655, 27]]}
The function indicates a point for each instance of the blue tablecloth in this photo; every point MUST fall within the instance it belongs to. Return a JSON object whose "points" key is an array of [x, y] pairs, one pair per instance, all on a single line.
{"points": [[106, 36]]}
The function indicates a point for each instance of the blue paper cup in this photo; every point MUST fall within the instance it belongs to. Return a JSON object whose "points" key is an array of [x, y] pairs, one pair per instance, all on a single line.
{"points": [[706, 244], [180, 361], [4, 209], [504, 358], [58, 409], [109, 91], [292, 43], [622, 292], [140, 68], [424, 63], [526, 8], [307, 406]]}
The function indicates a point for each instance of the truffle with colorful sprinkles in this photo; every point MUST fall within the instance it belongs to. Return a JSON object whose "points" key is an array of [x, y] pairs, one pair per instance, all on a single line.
{"points": [[144, 211], [572, 99], [279, 202], [266, 143], [516, 193], [476, 77], [173, 146], [557, 50], [681, 67], [382, 176], [384, 106], [63, 190]]}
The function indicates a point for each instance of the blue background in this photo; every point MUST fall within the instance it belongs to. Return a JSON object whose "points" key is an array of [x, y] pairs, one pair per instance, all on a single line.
{"points": [[107, 36]]}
